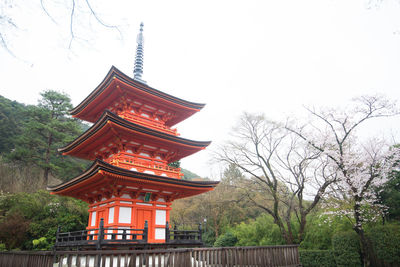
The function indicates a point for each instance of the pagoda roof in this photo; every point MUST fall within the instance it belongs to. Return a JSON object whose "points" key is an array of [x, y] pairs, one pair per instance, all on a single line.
{"points": [[101, 175], [116, 84], [110, 127]]}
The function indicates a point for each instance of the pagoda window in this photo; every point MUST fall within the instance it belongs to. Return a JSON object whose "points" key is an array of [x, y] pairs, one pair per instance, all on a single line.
{"points": [[111, 215], [161, 206], [161, 217], [125, 202], [125, 214], [93, 219], [161, 199]]}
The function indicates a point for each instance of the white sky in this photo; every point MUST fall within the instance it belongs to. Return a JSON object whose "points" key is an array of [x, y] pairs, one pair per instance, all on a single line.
{"points": [[256, 56]]}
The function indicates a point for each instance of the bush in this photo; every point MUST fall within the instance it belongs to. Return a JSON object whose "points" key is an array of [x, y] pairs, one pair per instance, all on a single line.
{"points": [[320, 229], [28, 217], [346, 248], [317, 258], [226, 240], [261, 232], [385, 241]]}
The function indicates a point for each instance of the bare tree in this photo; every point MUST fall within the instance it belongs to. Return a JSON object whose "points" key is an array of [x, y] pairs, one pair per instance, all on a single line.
{"points": [[78, 15], [359, 166], [280, 167]]}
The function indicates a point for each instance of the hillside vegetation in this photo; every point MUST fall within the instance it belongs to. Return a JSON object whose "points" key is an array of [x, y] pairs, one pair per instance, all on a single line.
{"points": [[279, 186]]}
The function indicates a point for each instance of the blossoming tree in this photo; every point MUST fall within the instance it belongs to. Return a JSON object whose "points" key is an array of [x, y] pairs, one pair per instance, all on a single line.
{"points": [[361, 167]]}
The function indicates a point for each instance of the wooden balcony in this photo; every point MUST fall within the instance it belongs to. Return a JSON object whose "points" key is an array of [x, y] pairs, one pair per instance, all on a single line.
{"points": [[147, 122], [142, 164], [109, 237]]}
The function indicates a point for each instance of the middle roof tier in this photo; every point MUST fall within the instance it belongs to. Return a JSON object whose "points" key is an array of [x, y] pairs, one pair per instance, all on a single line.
{"points": [[111, 135]]}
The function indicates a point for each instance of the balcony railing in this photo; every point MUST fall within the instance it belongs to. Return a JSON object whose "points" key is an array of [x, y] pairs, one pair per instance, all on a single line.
{"points": [[101, 236], [141, 164], [148, 123], [104, 237]]}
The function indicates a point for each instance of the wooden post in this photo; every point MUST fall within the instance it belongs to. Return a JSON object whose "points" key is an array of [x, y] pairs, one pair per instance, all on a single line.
{"points": [[200, 230], [167, 232], [146, 231], [55, 244], [100, 234]]}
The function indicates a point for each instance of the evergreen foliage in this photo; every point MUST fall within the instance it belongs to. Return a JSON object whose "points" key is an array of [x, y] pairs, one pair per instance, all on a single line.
{"points": [[260, 232], [188, 175], [12, 116], [46, 128], [317, 258], [346, 248], [385, 240], [30, 221], [320, 230], [226, 240], [389, 196]]}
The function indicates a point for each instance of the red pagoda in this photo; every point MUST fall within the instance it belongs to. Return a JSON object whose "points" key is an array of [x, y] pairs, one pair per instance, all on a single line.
{"points": [[131, 142]]}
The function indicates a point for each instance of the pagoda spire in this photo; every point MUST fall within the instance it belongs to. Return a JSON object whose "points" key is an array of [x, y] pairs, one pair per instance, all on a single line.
{"points": [[138, 68]]}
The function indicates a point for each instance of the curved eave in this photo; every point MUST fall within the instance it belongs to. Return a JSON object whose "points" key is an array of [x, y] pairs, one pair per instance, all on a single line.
{"points": [[99, 166], [109, 118], [188, 108]]}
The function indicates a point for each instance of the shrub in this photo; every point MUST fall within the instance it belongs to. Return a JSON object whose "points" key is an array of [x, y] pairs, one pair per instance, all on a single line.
{"points": [[385, 241], [226, 240], [317, 258], [346, 248], [261, 232]]}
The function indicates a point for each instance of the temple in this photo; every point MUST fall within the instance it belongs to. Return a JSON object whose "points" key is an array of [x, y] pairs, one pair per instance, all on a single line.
{"points": [[130, 186]]}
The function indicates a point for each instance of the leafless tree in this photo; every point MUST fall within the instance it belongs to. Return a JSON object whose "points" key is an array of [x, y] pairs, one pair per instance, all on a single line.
{"points": [[79, 15], [281, 169]]}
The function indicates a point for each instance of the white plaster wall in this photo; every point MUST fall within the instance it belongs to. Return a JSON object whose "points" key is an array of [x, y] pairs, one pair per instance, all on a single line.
{"points": [[161, 217], [125, 215]]}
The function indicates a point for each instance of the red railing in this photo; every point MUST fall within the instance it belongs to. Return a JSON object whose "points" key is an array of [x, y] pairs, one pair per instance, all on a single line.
{"points": [[151, 123], [143, 163]]}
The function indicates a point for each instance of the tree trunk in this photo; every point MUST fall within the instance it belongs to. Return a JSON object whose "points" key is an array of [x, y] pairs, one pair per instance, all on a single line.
{"points": [[360, 231], [302, 228], [47, 159]]}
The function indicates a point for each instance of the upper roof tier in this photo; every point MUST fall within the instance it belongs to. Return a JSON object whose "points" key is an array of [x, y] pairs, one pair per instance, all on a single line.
{"points": [[117, 85], [113, 132]]}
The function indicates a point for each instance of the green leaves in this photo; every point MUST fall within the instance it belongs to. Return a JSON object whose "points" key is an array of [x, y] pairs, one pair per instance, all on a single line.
{"points": [[30, 221], [46, 128]]}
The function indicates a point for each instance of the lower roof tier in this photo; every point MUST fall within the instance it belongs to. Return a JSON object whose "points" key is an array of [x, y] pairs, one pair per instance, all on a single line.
{"points": [[112, 133], [105, 180]]}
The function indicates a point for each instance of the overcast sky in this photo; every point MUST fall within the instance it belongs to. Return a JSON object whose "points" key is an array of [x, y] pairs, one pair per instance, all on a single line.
{"points": [[256, 56]]}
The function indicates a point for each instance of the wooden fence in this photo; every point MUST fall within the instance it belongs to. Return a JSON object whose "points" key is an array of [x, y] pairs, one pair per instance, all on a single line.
{"points": [[191, 257]]}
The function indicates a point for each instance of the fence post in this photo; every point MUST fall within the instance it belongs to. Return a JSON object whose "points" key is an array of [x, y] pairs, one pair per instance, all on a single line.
{"points": [[200, 230], [100, 234], [146, 231], [55, 243], [167, 232]]}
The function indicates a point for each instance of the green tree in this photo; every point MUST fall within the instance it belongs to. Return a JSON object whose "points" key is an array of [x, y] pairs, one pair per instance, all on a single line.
{"points": [[389, 196], [12, 118], [28, 217], [47, 128]]}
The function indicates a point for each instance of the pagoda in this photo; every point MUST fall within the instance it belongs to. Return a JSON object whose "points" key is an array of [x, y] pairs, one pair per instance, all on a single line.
{"points": [[131, 143]]}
